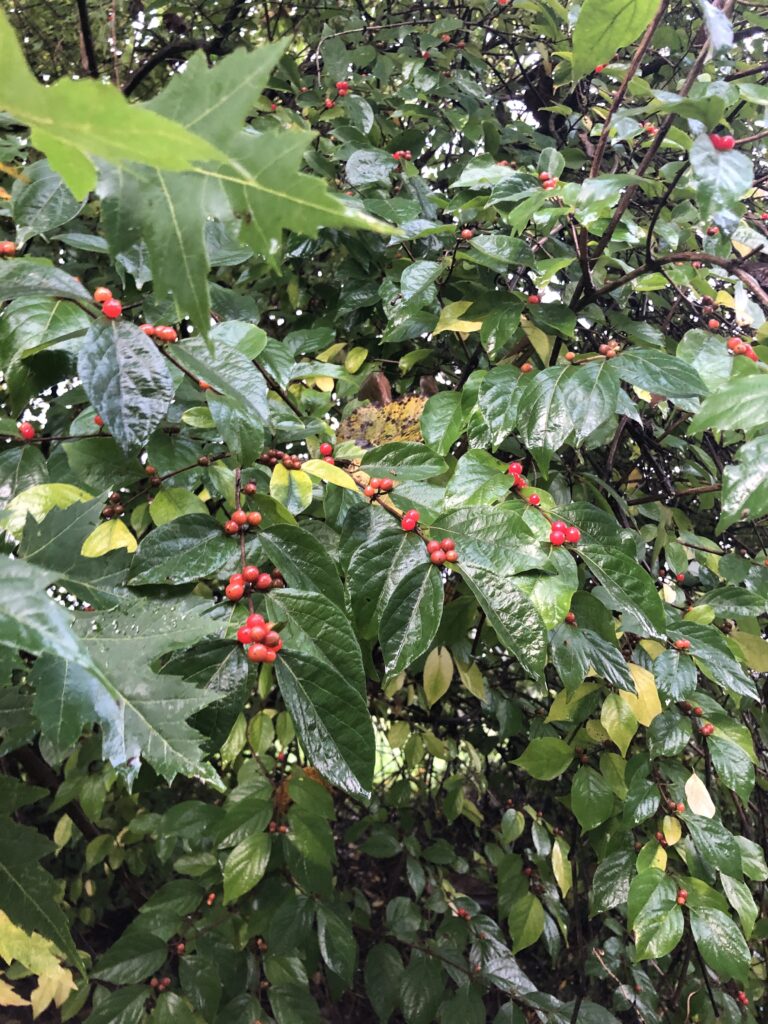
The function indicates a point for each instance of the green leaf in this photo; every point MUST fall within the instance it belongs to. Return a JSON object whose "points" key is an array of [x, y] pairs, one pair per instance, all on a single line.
{"points": [[421, 989], [720, 178], [40, 201], [29, 894], [242, 432], [479, 479], [594, 392], [172, 503], [611, 881], [544, 419], [126, 380], [33, 276], [375, 570], [745, 485], [410, 618], [133, 958], [438, 674], [628, 586], [545, 758], [125, 1006], [37, 501], [403, 460], [364, 167], [659, 373], [592, 799], [246, 865], [605, 26], [321, 678], [721, 943], [715, 844], [498, 400], [179, 552], [654, 915], [742, 404], [291, 487], [466, 1007], [337, 944], [526, 921], [442, 421], [713, 656], [303, 561]]}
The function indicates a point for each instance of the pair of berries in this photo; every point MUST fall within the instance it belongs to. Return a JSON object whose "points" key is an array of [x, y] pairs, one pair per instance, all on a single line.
{"points": [[27, 431], [402, 154], [377, 484], [274, 827], [722, 142], [682, 897], [7, 248], [561, 533], [162, 332], [609, 349], [672, 805], [707, 729], [465, 914], [272, 456], [743, 998], [515, 470], [410, 520], [442, 551], [741, 348], [661, 839], [241, 521], [326, 450], [210, 899], [329, 104], [548, 181], [682, 645], [160, 984], [110, 306], [342, 88], [262, 640]]}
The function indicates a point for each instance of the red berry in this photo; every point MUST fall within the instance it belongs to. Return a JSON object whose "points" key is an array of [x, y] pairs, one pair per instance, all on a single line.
{"points": [[375, 482], [329, 459], [557, 537], [467, 233], [526, 368], [234, 591], [251, 573], [257, 633], [534, 499], [7, 248], [707, 729], [515, 468], [433, 545], [425, 54], [680, 808], [413, 514], [437, 557], [102, 295], [545, 176], [180, 948], [272, 639], [722, 142], [204, 385], [231, 527], [326, 449], [534, 300], [270, 657], [254, 518], [329, 103], [698, 712], [240, 516], [256, 652], [387, 484], [680, 576], [570, 618], [599, 68], [558, 524], [264, 582], [764, 216], [713, 230], [448, 544], [112, 309], [408, 524], [244, 635], [255, 620], [147, 329], [573, 534], [570, 356], [237, 577], [682, 645], [27, 431], [166, 333], [451, 556], [369, 491], [518, 481], [98, 421], [682, 897]]}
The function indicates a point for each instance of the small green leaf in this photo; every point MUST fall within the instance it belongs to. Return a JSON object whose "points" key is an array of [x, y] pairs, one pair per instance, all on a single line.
{"points": [[545, 758]]}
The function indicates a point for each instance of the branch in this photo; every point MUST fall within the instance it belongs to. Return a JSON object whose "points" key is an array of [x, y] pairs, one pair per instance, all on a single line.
{"points": [[90, 64], [174, 49]]}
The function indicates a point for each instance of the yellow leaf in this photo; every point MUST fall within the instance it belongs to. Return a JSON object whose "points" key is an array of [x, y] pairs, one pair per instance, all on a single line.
{"points": [[725, 299], [355, 359], [328, 353], [53, 987], [331, 474], [699, 800], [541, 342], [108, 536], [646, 704], [322, 383], [38, 502], [37, 954], [753, 649], [564, 705], [561, 865], [472, 678], [438, 672], [659, 859], [652, 647], [450, 319], [596, 731], [10, 998], [672, 830], [668, 594]]}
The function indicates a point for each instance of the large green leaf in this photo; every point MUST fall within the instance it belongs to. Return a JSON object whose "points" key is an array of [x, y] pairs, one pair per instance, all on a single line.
{"points": [[376, 568], [126, 379], [545, 757], [383, 974], [410, 618], [720, 177], [659, 373], [594, 392], [182, 551], [721, 943], [36, 276], [605, 26], [303, 561], [712, 654], [544, 417], [745, 484], [421, 989], [592, 799], [321, 677], [628, 586], [40, 201], [246, 865], [742, 404]]}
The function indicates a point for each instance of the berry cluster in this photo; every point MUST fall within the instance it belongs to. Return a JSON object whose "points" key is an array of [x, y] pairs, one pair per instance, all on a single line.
{"points": [[548, 181], [110, 306], [561, 533], [673, 805], [342, 88], [326, 450], [682, 645], [609, 349], [152, 473], [7, 248], [442, 551], [515, 470], [241, 584], [241, 521], [274, 827], [402, 154], [162, 332], [378, 484], [329, 104], [742, 348], [722, 142], [261, 639], [272, 456], [114, 507], [465, 914], [410, 520], [160, 984], [27, 431], [743, 998], [661, 839], [682, 897]]}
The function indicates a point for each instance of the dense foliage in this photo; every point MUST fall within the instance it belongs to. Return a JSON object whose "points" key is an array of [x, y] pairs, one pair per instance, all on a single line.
{"points": [[385, 564]]}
